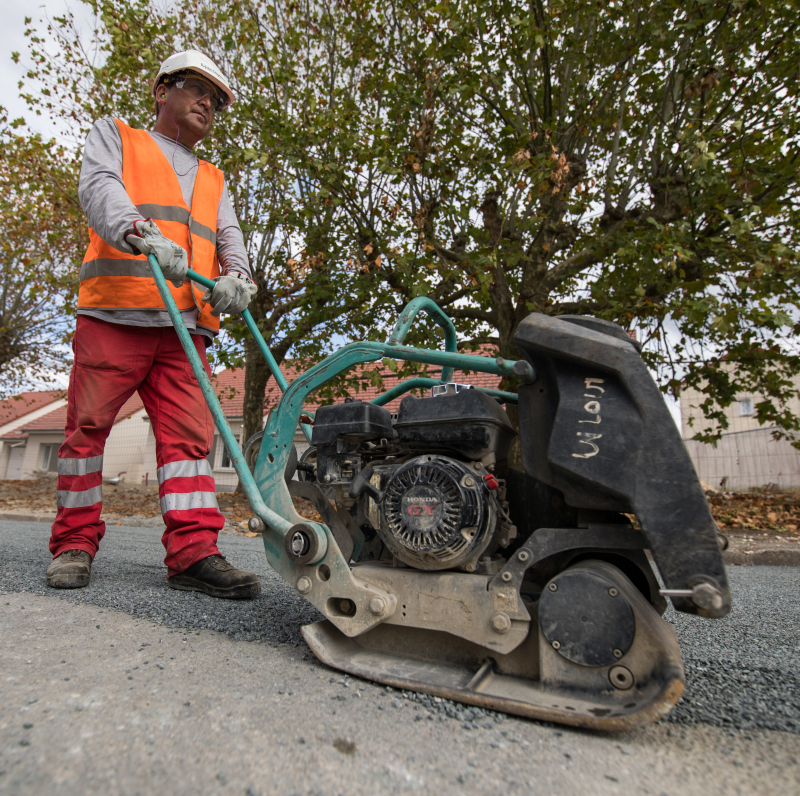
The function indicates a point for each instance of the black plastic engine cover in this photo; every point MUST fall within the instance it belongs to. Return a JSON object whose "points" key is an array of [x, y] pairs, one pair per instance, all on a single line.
{"points": [[595, 426], [469, 422], [352, 419]]}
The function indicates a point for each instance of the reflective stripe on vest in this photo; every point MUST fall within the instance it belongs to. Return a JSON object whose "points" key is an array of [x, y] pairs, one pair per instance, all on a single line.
{"points": [[112, 279]]}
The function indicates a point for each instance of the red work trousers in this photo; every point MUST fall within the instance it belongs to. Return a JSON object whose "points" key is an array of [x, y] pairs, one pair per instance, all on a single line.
{"points": [[112, 362]]}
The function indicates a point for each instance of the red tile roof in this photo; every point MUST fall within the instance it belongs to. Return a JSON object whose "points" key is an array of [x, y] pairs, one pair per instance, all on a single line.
{"points": [[26, 402], [57, 419], [14, 436]]}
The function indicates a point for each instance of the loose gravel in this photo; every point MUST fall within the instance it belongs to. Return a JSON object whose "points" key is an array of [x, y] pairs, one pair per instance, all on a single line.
{"points": [[128, 575], [743, 672]]}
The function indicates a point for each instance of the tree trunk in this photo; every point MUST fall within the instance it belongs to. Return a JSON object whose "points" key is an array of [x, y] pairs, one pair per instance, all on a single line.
{"points": [[256, 376]]}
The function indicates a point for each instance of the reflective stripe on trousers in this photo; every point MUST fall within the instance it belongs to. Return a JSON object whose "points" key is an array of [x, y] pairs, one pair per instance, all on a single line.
{"points": [[93, 464], [186, 501], [184, 469], [76, 499]]}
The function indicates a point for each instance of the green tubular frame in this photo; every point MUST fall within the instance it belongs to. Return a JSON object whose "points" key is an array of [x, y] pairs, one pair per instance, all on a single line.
{"points": [[265, 487]]}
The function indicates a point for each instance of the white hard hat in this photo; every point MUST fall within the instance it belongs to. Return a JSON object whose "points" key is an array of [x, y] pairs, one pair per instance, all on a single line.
{"points": [[195, 61]]}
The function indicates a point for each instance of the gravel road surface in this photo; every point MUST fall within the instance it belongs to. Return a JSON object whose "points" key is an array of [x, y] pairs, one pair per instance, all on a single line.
{"points": [[130, 687]]}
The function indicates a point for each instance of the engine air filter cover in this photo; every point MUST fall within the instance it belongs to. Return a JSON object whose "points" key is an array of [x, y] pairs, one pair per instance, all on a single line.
{"points": [[436, 513]]}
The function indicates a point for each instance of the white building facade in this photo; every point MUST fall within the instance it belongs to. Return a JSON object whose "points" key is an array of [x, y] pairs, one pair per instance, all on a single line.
{"points": [[747, 455]]}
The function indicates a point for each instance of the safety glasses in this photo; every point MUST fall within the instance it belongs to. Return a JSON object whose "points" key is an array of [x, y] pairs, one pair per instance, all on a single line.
{"points": [[198, 89]]}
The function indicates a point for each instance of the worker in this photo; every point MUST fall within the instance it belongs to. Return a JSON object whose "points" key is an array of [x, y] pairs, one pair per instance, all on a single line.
{"points": [[145, 192]]}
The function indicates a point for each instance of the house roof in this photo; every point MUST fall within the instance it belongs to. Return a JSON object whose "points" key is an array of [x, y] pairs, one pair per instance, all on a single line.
{"points": [[57, 419], [14, 436], [229, 385], [26, 402]]}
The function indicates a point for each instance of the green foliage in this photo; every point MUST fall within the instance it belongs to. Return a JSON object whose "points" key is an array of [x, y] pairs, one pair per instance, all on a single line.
{"points": [[634, 161], [42, 244], [631, 160]]}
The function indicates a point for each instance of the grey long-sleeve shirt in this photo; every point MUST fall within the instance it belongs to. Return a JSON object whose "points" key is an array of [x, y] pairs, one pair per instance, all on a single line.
{"points": [[111, 214]]}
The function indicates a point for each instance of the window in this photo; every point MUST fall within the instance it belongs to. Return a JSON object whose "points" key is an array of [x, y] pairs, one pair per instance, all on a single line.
{"points": [[224, 460], [48, 457], [745, 407]]}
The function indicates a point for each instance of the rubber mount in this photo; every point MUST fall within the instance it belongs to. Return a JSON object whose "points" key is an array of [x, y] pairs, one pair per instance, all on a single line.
{"points": [[301, 544], [586, 618]]}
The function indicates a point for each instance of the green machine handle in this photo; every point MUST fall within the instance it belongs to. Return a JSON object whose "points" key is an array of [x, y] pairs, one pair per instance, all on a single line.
{"points": [[405, 320], [277, 374], [231, 445]]}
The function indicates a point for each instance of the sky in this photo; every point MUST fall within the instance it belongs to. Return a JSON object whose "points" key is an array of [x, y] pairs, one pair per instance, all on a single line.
{"points": [[12, 38]]}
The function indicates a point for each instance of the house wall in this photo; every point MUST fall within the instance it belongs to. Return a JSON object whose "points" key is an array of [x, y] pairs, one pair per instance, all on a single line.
{"points": [[12, 425], [127, 448], [691, 400], [746, 456], [747, 459], [32, 463]]}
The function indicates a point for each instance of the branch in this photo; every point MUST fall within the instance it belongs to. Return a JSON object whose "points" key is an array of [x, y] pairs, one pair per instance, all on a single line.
{"points": [[454, 296], [475, 314], [575, 308], [577, 263]]}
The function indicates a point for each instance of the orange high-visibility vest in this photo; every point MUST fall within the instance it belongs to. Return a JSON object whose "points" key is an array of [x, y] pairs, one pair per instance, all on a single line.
{"points": [[111, 279]]}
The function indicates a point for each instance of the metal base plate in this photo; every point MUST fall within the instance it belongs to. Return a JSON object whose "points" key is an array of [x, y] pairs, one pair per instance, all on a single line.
{"points": [[383, 655], [534, 679]]}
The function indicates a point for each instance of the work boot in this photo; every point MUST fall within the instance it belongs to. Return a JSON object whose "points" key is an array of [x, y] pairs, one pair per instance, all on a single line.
{"points": [[217, 578], [70, 570]]}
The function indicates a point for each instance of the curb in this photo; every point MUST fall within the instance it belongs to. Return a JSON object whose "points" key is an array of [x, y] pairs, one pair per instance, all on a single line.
{"points": [[28, 517], [764, 558]]}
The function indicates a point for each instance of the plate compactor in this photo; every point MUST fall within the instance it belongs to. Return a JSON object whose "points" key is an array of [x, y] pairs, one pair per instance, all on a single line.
{"points": [[439, 568]]}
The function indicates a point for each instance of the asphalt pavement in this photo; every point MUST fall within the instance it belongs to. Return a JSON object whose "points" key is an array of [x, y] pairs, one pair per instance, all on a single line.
{"points": [[131, 687]]}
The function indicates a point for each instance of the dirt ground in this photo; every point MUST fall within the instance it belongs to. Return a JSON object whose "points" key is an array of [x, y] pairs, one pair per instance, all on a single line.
{"points": [[758, 523], [38, 496]]}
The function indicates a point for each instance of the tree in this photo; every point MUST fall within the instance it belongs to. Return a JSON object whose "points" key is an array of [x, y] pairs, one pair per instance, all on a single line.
{"points": [[636, 161], [305, 291], [41, 246]]}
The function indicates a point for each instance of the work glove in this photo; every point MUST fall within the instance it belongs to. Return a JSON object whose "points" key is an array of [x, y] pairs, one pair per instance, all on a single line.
{"points": [[147, 238], [231, 294]]}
